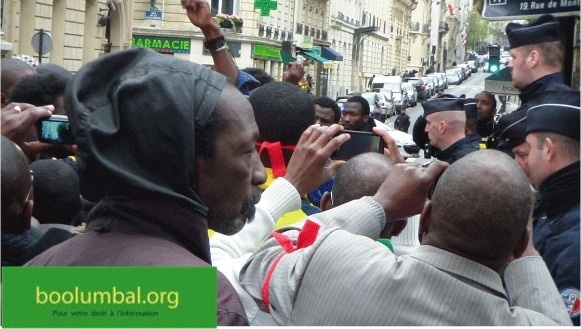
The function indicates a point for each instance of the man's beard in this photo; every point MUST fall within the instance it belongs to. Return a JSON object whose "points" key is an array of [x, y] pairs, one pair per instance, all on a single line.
{"points": [[234, 225]]}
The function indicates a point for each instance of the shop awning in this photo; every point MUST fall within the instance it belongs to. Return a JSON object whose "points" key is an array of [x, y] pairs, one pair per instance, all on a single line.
{"points": [[269, 53], [331, 54], [287, 58], [315, 56]]}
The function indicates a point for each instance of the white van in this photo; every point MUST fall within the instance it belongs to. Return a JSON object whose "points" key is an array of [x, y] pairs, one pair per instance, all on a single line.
{"points": [[393, 84], [387, 82]]}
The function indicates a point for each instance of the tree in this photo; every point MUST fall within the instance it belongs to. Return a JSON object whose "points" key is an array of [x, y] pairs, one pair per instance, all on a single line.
{"points": [[478, 32]]}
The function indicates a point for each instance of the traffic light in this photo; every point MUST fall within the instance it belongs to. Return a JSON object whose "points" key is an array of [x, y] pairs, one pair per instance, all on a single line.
{"points": [[493, 59], [493, 65]]}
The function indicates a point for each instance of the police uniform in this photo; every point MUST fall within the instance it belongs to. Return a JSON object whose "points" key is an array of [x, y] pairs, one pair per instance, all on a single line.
{"points": [[512, 128], [461, 147], [544, 29], [556, 213], [487, 131]]}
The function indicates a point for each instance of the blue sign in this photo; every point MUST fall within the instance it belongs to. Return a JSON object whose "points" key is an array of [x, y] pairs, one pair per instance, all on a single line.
{"points": [[153, 14]]}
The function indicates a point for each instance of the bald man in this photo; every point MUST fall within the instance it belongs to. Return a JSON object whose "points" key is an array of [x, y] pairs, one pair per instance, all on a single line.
{"points": [[352, 182], [476, 264]]}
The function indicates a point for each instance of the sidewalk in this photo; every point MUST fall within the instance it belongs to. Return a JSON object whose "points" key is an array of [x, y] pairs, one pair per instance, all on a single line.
{"points": [[512, 104]]}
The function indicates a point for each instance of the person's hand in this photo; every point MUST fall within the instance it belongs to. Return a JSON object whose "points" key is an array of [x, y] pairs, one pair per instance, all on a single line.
{"points": [[200, 15], [307, 168], [391, 151], [294, 73], [18, 121], [404, 191]]}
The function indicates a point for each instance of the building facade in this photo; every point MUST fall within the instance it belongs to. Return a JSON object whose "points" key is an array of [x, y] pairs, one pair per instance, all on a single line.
{"points": [[342, 43]]}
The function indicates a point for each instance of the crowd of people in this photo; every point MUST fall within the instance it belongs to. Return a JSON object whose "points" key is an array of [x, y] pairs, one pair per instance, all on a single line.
{"points": [[175, 164]]}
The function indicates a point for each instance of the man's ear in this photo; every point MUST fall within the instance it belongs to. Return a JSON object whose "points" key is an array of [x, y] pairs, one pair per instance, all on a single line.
{"points": [[549, 149], [533, 58], [28, 205], [425, 218], [443, 126], [326, 202], [520, 247]]}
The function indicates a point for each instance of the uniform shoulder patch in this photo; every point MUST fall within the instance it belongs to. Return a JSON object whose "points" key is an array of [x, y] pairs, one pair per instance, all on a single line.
{"points": [[572, 302]]}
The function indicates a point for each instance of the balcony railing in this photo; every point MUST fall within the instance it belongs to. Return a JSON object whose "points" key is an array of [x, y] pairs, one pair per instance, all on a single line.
{"points": [[414, 26]]}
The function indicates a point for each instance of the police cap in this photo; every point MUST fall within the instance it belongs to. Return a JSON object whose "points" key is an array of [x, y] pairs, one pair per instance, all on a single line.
{"points": [[558, 112], [512, 128], [544, 29], [470, 107], [442, 104]]}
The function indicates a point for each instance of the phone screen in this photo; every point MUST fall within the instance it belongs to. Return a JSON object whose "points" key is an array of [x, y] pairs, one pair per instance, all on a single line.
{"points": [[360, 142], [56, 130]]}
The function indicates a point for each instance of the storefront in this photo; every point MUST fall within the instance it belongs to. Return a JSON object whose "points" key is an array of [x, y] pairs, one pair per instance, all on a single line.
{"points": [[271, 60], [323, 57], [164, 45]]}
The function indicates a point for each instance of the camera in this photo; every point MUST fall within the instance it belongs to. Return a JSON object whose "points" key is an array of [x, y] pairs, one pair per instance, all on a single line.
{"points": [[55, 130], [360, 142]]}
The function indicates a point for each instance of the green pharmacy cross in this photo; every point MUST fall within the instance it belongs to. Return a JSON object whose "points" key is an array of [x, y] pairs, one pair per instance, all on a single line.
{"points": [[265, 6]]}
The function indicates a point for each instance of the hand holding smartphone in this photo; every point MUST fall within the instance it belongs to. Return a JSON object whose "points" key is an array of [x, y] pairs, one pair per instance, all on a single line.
{"points": [[55, 129], [360, 142]]}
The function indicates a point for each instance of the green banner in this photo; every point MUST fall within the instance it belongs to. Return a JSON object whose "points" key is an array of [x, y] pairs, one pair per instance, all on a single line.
{"points": [[269, 53], [162, 44], [109, 297]]}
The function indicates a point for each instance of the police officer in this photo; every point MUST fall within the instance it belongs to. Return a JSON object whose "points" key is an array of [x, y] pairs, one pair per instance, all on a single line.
{"points": [[553, 136], [472, 122], [537, 56], [512, 130], [445, 124]]}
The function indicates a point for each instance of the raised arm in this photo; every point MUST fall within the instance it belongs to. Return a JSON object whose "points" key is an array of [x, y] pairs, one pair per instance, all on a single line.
{"points": [[200, 15]]}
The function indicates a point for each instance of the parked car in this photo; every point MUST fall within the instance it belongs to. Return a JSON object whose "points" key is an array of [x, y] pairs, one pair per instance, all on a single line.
{"points": [[390, 104], [419, 84], [454, 76], [431, 84], [443, 78], [400, 101], [410, 92], [405, 142], [466, 70], [438, 81], [394, 89], [374, 98], [391, 86], [472, 66], [382, 98], [386, 82]]}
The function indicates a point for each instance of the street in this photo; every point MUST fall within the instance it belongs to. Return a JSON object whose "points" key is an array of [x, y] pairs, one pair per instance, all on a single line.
{"points": [[470, 87]]}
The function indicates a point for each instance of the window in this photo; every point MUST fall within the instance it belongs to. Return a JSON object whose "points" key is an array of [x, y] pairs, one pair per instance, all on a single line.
{"points": [[299, 28], [223, 7]]}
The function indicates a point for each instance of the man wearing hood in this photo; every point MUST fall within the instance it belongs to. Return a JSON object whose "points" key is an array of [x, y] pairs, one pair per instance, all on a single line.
{"points": [[172, 145]]}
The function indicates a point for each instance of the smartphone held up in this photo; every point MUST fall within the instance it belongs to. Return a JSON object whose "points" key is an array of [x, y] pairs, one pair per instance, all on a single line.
{"points": [[55, 129], [360, 142]]}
